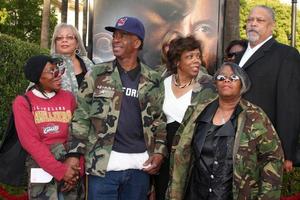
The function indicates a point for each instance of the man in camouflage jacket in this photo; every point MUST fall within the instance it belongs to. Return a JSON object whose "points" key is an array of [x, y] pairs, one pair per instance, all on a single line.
{"points": [[257, 156], [96, 120]]}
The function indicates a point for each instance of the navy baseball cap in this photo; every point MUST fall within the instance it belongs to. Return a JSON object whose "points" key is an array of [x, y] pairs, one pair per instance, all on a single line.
{"points": [[130, 25]]}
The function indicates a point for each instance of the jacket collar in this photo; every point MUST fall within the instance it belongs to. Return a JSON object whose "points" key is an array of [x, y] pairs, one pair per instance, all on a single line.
{"points": [[202, 81], [211, 109], [133, 74], [260, 52], [146, 72]]}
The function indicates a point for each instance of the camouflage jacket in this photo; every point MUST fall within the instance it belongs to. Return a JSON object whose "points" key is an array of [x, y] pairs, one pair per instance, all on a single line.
{"points": [[257, 160], [95, 120], [69, 81]]}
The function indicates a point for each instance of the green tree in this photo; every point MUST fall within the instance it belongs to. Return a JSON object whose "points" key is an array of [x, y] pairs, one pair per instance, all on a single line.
{"points": [[23, 18], [14, 54], [64, 11], [283, 12], [45, 24]]}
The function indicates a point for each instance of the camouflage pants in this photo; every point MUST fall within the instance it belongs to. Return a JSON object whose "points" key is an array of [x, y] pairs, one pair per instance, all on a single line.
{"points": [[52, 190]]}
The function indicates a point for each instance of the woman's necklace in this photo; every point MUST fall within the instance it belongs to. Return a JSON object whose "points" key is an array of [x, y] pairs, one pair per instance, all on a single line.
{"points": [[177, 83], [224, 116], [223, 119]]}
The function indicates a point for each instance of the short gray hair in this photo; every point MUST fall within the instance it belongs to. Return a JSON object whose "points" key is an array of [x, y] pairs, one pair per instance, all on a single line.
{"points": [[237, 70], [268, 9], [58, 27]]}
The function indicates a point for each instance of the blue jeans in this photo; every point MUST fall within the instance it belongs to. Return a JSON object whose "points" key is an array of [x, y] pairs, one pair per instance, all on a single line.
{"points": [[131, 184]]}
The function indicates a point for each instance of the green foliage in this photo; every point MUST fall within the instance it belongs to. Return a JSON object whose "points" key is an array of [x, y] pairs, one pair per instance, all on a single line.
{"points": [[14, 192], [14, 54], [3, 16], [291, 183], [23, 19], [283, 19]]}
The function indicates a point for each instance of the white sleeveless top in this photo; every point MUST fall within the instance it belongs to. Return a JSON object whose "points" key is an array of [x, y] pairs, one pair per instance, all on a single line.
{"points": [[173, 107]]}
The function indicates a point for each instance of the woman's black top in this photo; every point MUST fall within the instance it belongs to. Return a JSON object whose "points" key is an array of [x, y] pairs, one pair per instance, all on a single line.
{"points": [[211, 175], [80, 77]]}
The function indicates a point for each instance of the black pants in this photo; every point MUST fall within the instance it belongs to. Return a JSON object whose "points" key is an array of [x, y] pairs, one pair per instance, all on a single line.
{"points": [[162, 179]]}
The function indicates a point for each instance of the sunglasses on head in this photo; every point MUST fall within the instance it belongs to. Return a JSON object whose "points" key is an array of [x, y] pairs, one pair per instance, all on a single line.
{"points": [[56, 72], [231, 78]]}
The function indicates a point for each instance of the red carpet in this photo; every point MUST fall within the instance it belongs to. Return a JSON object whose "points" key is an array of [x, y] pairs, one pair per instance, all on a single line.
{"points": [[294, 197]]}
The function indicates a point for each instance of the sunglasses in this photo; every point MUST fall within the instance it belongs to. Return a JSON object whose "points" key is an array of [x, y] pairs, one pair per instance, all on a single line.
{"points": [[56, 72], [231, 55], [231, 78], [68, 37]]}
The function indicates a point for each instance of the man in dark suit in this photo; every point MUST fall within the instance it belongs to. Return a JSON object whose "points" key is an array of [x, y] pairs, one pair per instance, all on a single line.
{"points": [[274, 70]]}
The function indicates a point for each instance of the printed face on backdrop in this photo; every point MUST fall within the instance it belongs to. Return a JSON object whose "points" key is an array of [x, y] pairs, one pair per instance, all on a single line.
{"points": [[161, 18]]}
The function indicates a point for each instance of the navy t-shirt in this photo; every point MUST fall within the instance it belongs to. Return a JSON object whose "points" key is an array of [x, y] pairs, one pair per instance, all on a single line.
{"points": [[129, 136]]}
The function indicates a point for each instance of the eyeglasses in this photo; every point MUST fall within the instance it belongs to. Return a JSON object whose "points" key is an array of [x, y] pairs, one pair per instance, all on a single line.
{"points": [[258, 20], [56, 72], [231, 78], [68, 37]]}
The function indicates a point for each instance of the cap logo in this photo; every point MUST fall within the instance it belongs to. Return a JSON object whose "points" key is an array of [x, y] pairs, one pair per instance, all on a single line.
{"points": [[122, 21]]}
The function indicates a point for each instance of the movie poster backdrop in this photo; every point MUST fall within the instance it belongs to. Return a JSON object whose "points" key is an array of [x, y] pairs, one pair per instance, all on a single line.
{"points": [[163, 20]]}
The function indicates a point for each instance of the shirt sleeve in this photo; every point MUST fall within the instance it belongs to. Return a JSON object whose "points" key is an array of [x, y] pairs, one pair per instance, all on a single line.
{"points": [[81, 123], [270, 157], [160, 121], [30, 140]]}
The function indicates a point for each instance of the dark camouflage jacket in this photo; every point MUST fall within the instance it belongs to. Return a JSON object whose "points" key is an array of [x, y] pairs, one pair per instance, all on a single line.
{"points": [[258, 156], [95, 120]]}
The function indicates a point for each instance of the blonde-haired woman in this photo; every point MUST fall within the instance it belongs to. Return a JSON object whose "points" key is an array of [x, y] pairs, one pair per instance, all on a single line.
{"points": [[67, 43]]}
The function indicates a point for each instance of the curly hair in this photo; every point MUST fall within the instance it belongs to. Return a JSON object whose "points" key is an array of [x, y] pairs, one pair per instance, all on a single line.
{"points": [[177, 47]]}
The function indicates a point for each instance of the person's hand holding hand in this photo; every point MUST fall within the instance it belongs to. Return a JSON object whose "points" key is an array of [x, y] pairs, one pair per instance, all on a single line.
{"points": [[152, 165], [72, 174], [67, 187], [288, 165]]}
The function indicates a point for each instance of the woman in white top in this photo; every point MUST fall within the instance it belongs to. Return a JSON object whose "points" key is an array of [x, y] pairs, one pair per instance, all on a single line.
{"points": [[187, 84]]}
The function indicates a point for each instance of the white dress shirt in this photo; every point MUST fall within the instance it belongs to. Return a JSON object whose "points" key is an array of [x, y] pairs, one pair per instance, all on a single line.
{"points": [[250, 51]]}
